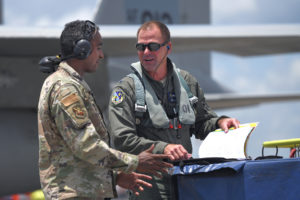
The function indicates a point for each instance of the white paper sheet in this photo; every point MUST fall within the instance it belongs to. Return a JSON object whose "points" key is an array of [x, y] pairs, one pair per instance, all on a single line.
{"points": [[227, 145]]}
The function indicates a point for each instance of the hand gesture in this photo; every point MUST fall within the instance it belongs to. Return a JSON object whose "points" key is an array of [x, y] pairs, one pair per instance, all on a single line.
{"points": [[177, 152], [152, 163], [133, 181]]}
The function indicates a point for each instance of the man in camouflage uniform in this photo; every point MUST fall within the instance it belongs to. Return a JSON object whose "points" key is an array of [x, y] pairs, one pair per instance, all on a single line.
{"points": [[75, 159], [171, 109]]}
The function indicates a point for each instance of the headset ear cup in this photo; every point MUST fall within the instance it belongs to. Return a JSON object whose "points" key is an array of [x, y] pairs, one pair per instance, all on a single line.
{"points": [[82, 49]]}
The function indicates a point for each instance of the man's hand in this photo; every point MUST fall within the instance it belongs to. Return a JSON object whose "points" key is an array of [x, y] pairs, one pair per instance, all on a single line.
{"points": [[133, 181], [177, 152], [152, 163], [226, 123]]}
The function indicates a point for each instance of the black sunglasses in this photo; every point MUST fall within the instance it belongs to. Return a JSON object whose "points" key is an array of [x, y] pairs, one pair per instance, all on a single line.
{"points": [[152, 46]]}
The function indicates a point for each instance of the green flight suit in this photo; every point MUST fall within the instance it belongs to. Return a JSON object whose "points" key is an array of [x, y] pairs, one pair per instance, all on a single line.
{"points": [[134, 134]]}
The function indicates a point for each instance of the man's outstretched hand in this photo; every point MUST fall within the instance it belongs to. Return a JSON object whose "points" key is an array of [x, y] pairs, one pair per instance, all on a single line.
{"points": [[133, 181], [153, 163]]}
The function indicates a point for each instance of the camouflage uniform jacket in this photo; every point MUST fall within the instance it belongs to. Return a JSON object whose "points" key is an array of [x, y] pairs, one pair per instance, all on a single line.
{"points": [[75, 159], [138, 133]]}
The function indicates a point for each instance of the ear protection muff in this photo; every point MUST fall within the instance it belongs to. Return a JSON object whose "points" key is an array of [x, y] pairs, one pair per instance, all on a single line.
{"points": [[82, 49]]}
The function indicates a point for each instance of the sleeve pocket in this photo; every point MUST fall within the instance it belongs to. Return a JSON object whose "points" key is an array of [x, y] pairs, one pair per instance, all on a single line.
{"points": [[75, 109]]}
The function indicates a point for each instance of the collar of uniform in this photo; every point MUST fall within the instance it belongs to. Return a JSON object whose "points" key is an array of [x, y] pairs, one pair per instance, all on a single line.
{"points": [[70, 70], [64, 65]]}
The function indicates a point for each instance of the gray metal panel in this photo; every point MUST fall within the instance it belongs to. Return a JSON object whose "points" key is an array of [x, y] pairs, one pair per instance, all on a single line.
{"points": [[110, 12], [18, 151], [243, 46], [219, 101], [238, 40], [21, 82], [167, 11], [25, 46], [194, 11]]}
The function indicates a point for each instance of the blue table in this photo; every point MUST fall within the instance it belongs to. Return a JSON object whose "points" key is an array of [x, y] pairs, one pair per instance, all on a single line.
{"points": [[257, 180]]}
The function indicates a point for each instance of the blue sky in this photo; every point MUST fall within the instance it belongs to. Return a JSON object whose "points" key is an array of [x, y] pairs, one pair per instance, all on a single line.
{"points": [[262, 74]]}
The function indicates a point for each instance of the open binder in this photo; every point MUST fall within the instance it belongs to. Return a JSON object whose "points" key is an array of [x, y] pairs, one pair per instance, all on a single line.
{"points": [[230, 145]]}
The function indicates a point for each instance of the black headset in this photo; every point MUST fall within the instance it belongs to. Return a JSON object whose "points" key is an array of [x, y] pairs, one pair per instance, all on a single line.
{"points": [[83, 48]]}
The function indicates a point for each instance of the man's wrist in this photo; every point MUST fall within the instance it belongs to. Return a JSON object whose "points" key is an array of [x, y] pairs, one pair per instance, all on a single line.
{"points": [[160, 147]]}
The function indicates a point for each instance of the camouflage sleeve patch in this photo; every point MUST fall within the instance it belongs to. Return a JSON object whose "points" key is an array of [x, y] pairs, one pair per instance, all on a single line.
{"points": [[75, 109], [69, 100], [117, 96]]}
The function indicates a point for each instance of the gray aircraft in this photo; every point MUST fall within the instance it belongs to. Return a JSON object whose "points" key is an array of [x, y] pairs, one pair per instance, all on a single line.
{"points": [[192, 37]]}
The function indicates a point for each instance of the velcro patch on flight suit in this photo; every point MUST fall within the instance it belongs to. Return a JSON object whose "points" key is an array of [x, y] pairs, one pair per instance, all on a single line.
{"points": [[75, 109], [117, 97], [70, 99]]}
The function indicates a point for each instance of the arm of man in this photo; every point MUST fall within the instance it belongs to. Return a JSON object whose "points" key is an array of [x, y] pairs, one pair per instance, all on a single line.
{"points": [[122, 119], [74, 125], [136, 181], [82, 138], [206, 119]]}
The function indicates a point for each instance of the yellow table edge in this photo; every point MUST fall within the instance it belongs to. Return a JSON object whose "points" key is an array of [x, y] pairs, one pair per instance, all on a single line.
{"points": [[288, 143]]}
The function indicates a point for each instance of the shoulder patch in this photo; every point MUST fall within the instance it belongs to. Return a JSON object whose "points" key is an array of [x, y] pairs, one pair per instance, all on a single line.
{"points": [[117, 97], [79, 112], [70, 99], [74, 107]]}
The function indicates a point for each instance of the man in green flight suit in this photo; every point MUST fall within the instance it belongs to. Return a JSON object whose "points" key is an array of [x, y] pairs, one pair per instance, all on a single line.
{"points": [[75, 160], [160, 104]]}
